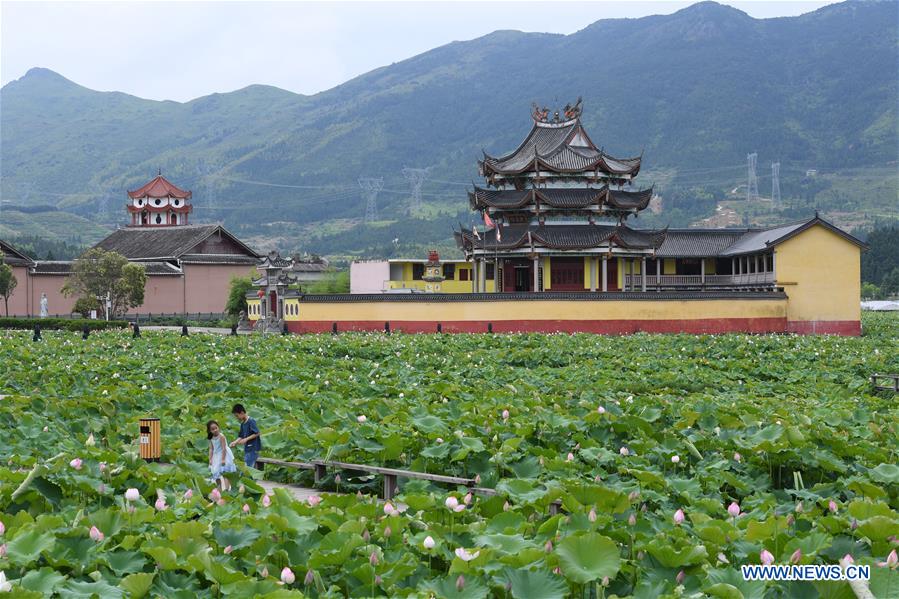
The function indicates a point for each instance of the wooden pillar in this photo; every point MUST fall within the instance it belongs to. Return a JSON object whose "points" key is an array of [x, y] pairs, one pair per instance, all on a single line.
{"points": [[702, 271], [536, 263], [633, 272], [605, 274], [592, 261], [497, 282], [482, 277], [643, 274], [733, 268], [658, 274]]}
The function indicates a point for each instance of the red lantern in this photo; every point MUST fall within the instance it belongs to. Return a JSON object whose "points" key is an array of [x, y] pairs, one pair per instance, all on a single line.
{"points": [[260, 293]]}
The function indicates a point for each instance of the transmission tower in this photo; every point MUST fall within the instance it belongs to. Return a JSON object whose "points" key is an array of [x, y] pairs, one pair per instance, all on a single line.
{"points": [[416, 178], [752, 187], [208, 170], [370, 188], [775, 182]]}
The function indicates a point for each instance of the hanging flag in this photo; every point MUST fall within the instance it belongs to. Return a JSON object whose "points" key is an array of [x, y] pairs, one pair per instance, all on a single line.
{"points": [[474, 229], [499, 234], [488, 221]]}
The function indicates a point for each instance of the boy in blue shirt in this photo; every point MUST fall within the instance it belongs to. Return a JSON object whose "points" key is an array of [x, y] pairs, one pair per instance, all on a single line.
{"points": [[249, 436]]}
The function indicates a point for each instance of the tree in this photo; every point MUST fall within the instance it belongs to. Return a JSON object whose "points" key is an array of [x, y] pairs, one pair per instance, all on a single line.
{"points": [[237, 295], [890, 285], [8, 282], [98, 273]]}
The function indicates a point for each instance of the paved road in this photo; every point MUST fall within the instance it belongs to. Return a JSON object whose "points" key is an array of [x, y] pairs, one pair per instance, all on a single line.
{"points": [[300, 493]]}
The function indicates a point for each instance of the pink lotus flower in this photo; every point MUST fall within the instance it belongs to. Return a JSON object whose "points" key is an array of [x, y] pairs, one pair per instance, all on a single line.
{"points": [[429, 542], [361, 418], [737, 457], [832, 506], [675, 460], [215, 494], [313, 500], [679, 579], [891, 562], [624, 451], [460, 583], [601, 410], [679, 516], [310, 577], [766, 557], [373, 559], [734, 509], [2, 527], [557, 570], [591, 516], [132, 494], [287, 576], [459, 508], [160, 504], [188, 494], [722, 559], [76, 463], [95, 534], [451, 502], [796, 557], [548, 547], [389, 510], [505, 414], [464, 555], [266, 501], [228, 549], [848, 559], [246, 508]]}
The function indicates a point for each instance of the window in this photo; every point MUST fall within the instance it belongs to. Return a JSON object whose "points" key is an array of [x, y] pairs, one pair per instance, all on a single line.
{"points": [[449, 271], [464, 274], [418, 271]]}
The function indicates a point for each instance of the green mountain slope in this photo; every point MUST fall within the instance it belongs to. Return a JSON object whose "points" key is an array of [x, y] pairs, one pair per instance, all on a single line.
{"points": [[695, 91]]}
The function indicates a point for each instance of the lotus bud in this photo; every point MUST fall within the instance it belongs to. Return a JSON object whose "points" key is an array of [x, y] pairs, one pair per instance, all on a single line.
{"points": [[799, 507], [679, 579], [95, 534], [766, 557], [892, 561], [101, 489], [337, 479], [640, 555], [228, 549], [241, 489], [597, 478], [221, 501], [633, 496], [287, 576], [737, 457], [188, 494], [854, 524], [2, 527], [215, 494], [624, 451], [506, 506], [313, 500], [505, 414], [477, 479], [467, 499], [460, 583], [132, 494], [361, 418], [848, 559], [102, 466], [734, 509], [160, 504], [796, 557], [246, 508], [643, 508], [459, 508], [557, 570], [790, 520], [600, 410], [378, 579], [632, 520], [722, 559], [76, 463], [591, 516], [310, 577], [679, 516], [388, 508], [387, 532], [541, 460], [675, 460], [570, 457], [266, 501], [549, 546], [373, 559], [451, 502], [264, 572], [605, 581], [429, 542], [832, 506]]}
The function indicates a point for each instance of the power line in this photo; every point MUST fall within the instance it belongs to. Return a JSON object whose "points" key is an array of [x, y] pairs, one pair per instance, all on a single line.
{"points": [[416, 178]]}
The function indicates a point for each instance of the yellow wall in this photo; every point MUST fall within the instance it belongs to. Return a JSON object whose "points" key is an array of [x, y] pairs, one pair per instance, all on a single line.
{"points": [[820, 272], [254, 306], [669, 267], [547, 274], [624, 266], [709, 266], [541, 310]]}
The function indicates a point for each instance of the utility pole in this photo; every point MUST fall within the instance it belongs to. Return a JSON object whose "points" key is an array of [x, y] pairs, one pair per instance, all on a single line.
{"points": [[752, 186], [371, 186], [416, 178], [775, 182]]}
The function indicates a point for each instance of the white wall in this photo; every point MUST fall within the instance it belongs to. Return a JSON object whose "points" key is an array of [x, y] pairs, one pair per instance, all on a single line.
{"points": [[369, 276]]}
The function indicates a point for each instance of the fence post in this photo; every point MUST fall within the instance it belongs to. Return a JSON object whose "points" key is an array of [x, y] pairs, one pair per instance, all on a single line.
{"points": [[320, 473], [390, 485]]}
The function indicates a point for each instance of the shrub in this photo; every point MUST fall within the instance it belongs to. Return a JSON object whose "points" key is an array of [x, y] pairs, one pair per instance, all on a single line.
{"points": [[63, 324]]}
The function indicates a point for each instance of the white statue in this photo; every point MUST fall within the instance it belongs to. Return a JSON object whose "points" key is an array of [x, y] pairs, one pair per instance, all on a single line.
{"points": [[44, 309]]}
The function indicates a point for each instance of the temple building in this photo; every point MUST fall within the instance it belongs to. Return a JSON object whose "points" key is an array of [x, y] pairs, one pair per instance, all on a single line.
{"points": [[555, 211], [189, 267]]}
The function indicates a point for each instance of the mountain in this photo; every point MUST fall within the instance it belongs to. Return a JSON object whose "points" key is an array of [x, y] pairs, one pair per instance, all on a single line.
{"points": [[695, 91]]}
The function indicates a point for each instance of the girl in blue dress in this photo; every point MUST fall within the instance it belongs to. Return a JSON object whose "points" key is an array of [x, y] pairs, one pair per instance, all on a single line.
{"points": [[221, 459]]}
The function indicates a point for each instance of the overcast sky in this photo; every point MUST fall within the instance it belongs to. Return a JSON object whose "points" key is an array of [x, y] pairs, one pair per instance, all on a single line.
{"points": [[183, 50]]}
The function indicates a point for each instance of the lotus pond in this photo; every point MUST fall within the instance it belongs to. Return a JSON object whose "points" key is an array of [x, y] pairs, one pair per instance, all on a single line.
{"points": [[675, 459]]}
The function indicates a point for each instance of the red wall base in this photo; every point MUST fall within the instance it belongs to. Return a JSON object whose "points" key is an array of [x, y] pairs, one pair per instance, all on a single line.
{"points": [[604, 327]]}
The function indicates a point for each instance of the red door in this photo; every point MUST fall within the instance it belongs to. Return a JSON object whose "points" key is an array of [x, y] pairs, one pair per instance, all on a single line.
{"points": [[273, 304], [612, 273]]}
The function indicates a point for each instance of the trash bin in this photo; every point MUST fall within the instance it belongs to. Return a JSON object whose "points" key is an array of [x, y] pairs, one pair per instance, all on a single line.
{"points": [[150, 444]]}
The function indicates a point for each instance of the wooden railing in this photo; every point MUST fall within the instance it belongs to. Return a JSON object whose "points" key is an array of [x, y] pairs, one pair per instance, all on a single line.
{"points": [[892, 382], [666, 281], [390, 476]]}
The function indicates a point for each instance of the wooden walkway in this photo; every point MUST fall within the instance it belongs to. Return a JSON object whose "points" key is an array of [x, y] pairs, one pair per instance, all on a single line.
{"points": [[299, 493], [892, 382]]}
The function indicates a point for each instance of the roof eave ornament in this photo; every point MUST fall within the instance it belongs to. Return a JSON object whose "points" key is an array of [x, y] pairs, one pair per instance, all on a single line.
{"points": [[540, 115]]}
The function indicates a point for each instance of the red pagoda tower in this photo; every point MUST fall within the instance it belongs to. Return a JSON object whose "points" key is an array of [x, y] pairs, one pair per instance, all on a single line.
{"points": [[159, 203]]}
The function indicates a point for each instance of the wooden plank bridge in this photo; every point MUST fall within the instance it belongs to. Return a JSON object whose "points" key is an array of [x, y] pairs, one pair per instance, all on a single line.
{"points": [[891, 380]]}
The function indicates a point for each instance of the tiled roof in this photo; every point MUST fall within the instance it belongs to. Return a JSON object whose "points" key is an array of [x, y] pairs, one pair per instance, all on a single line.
{"points": [[689, 243], [12, 256], [218, 259], [64, 267], [571, 198], [159, 187], [165, 243], [562, 237]]}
